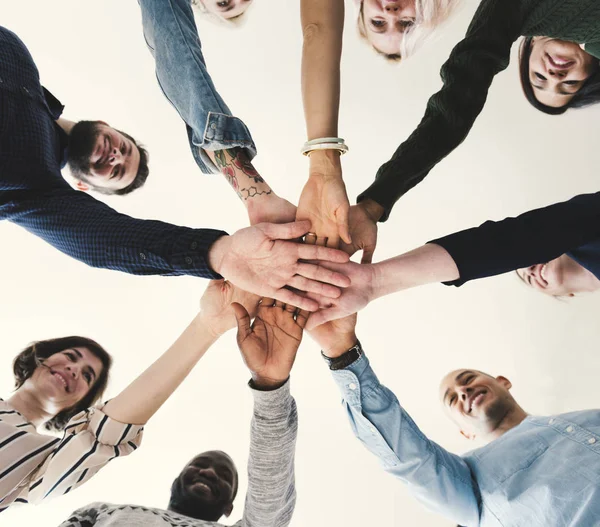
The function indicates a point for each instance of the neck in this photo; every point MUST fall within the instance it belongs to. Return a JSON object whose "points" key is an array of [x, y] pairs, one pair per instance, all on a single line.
{"points": [[29, 406], [65, 124], [515, 416], [581, 280]]}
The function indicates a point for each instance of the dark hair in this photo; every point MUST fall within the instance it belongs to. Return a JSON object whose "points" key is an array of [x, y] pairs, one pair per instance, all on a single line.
{"points": [[82, 140], [26, 362], [588, 94]]}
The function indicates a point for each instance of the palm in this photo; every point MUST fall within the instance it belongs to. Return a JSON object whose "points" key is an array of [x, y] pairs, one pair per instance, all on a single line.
{"points": [[325, 203], [269, 346]]}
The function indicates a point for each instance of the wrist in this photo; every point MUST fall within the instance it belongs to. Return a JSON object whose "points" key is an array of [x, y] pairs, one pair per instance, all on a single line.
{"points": [[217, 252], [372, 209], [325, 163], [208, 329], [342, 344], [264, 384]]}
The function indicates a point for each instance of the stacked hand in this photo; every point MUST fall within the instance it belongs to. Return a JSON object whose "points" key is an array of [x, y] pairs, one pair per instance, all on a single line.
{"points": [[269, 344], [363, 229], [324, 200], [264, 260]]}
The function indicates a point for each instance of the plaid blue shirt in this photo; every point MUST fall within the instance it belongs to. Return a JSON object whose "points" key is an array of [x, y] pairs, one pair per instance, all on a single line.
{"points": [[34, 195]]}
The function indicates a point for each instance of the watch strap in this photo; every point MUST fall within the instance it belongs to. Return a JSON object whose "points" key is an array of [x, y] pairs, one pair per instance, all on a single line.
{"points": [[345, 359]]}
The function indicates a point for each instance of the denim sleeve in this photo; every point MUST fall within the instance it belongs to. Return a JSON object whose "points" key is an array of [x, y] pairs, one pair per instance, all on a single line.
{"points": [[90, 231], [172, 37], [537, 236], [440, 480]]}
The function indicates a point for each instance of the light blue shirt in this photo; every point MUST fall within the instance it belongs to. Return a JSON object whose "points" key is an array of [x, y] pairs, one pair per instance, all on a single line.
{"points": [[545, 472]]}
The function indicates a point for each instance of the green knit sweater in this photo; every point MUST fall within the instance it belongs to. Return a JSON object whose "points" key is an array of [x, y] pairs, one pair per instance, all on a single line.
{"points": [[467, 76]]}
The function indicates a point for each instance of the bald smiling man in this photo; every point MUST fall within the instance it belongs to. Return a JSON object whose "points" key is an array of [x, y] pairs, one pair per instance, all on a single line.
{"points": [[533, 471]]}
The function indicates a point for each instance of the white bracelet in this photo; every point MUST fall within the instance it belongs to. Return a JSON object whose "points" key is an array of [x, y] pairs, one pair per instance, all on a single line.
{"points": [[325, 143]]}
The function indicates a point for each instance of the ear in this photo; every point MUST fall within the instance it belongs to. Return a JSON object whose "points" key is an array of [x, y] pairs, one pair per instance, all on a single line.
{"points": [[504, 382], [227, 510], [467, 435], [80, 185]]}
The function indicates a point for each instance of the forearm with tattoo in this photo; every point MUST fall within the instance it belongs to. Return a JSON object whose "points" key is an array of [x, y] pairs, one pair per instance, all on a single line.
{"points": [[239, 172]]}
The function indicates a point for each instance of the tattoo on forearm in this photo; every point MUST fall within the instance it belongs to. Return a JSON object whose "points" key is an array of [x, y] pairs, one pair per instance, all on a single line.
{"points": [[233, 163]]}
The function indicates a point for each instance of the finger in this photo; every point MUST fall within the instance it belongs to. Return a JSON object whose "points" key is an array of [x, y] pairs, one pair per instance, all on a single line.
{"points": [[279, 304], [367, 256], [324, 302], [290, 308], [302, 318], [286, 231], [310, 238], [304, 284], [243, 321], [322, 274], [295, 299], [315, 252], [322, 240], [341, 218], [322, 316]]}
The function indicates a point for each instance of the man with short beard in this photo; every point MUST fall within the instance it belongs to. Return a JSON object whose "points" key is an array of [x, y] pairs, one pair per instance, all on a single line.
{"points": [[534, 471]]}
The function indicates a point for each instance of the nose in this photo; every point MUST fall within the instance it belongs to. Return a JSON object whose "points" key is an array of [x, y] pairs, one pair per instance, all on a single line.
{"points": [[115, 157], [73, 370], [560, 74], [463, 392], [208, 473]]}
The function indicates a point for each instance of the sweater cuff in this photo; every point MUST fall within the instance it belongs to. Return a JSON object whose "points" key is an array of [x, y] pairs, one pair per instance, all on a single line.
{"points": [[274, 402]]}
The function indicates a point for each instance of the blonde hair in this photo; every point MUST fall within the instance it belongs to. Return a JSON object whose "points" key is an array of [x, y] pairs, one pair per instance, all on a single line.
{"points": [[235, 22], [430, 15]]}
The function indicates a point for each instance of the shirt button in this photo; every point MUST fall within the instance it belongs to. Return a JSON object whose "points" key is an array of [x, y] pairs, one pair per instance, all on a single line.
{"points": [[25, 89], [213, 126], [194, 246], [372, 428], [569, 429], [551, 421], [142, 256], [352, 386], [188, 260], [591, 440]]}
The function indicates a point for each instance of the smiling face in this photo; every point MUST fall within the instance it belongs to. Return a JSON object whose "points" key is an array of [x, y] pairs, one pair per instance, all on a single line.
{"points": [[555, 278], [386, 21], [226, 9], [108, 159], [475, 401], [558, 69], [206, 487], [65, 378]]}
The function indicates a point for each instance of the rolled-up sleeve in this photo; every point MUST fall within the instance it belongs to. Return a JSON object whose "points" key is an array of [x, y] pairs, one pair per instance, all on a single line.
{"points": [[439, 479]]}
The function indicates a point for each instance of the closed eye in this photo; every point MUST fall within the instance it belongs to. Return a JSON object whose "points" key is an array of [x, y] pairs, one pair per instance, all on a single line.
{"points": [[378, 25]]}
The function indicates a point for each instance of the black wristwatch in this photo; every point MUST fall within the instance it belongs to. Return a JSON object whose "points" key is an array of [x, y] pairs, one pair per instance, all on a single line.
{"points": [[344, 360]]}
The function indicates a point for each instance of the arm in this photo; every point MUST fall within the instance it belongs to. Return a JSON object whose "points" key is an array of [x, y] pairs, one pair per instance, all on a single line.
{"points": [[324, 200], [451, 112], [219, 142], [439, 479], [269, 348]]}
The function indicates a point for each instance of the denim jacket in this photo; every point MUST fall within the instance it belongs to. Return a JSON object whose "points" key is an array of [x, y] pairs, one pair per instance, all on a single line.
{"points": [[545, 472]]}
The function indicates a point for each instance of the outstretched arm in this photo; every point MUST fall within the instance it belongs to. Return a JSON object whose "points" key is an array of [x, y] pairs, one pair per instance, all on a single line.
{"points": [[145, 395], [269, 348], [324, 200]]}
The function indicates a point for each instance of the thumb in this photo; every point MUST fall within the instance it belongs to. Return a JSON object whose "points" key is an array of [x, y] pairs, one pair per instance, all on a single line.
{"points": [[341, 218], [367, 256], [243, 321], [286, 231]]}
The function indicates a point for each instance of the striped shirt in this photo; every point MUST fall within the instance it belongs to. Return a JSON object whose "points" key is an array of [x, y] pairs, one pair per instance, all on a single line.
{"points": [[36, 466]]}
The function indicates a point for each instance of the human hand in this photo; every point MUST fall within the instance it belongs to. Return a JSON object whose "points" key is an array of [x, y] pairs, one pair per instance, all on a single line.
{"points": [[215, 305], [261, 260], [270, 343], [271, 209], [353, 298], [324, 200], [363, 229], [336, 336]]}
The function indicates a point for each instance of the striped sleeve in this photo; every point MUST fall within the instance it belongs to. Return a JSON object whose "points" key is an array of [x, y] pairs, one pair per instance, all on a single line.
{"points": [[90, 441]]}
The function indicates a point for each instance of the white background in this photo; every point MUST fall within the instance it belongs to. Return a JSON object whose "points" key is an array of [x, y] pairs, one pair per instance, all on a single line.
{"points": [[92, 56]]}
